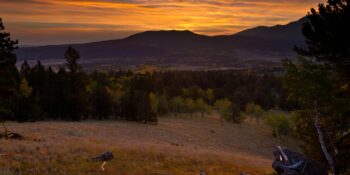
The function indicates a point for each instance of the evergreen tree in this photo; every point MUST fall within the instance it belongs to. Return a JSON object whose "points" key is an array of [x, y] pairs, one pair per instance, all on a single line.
{"points": [[103, 103], [9, 76], [48, 97], [72, 56], [76, 97], [25, 69], [328, 37], [61, 88], [128, 106], [37, 80], [321, 84]]}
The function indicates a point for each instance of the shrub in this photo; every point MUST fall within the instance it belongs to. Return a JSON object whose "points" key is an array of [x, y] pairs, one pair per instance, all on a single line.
{"points": [[279, 123]]}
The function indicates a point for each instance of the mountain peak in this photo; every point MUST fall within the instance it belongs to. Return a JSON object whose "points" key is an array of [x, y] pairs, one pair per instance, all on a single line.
{"points": [[290, 31]]}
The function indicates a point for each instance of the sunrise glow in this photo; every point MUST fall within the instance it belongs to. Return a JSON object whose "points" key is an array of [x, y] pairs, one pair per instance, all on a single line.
{"points": [[66, 21]]}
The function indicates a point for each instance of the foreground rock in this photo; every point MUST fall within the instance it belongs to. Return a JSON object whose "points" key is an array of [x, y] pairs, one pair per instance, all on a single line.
{"points": [[288, 162]]}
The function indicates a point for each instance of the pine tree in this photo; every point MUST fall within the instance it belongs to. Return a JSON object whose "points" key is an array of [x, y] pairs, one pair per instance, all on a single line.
{"points": [[25, 69], [76, 96], [103, 102], [324, 84], [327, 34], [72, 56], [9, 76]]}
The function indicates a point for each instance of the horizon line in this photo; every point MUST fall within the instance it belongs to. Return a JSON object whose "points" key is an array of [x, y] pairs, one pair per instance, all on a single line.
{"points": [[159, 30]]}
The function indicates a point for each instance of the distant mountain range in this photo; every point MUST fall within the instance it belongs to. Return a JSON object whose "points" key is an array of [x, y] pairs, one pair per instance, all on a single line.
{"points": [[182, 48]]}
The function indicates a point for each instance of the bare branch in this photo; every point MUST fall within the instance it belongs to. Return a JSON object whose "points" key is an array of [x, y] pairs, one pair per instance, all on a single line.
{"points": [[321, 138]]}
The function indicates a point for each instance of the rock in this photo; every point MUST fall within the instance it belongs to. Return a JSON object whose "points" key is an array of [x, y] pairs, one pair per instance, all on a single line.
{"points": [[297, 164], [106, 156]]}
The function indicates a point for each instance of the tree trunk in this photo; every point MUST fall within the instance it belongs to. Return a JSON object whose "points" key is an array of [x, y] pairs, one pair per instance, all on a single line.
{"points": [[321, 139]]}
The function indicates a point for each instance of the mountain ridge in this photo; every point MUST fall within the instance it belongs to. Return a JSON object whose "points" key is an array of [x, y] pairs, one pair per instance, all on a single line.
{"points": [[185, 47]]}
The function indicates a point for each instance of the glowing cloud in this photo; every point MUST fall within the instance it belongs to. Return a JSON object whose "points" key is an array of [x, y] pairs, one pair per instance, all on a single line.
{"points": [[66, 21]]}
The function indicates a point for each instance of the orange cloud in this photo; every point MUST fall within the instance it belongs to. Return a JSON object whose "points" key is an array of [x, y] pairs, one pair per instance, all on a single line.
{"points": [[27, 19]]}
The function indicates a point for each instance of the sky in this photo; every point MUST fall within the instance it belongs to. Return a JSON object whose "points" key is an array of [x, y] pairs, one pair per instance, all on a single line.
{"points": [[43, 22]]}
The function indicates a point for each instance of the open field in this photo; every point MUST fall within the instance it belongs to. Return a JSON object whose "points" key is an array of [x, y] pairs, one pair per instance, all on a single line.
{"points": [[179, 145]]}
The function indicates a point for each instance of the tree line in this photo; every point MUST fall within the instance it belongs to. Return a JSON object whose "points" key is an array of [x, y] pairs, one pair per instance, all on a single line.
{"points": [[69, 93]]}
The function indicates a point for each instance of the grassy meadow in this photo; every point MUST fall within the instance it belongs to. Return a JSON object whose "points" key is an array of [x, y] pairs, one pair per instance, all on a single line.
{"points": [[176, 145]]}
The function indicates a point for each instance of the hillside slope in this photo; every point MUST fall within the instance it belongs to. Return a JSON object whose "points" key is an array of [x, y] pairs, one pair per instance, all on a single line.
{"points": [[182, 145]]}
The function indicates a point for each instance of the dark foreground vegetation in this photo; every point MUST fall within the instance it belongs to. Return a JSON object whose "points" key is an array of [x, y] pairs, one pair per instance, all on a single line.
{"points": [[319, 82]]}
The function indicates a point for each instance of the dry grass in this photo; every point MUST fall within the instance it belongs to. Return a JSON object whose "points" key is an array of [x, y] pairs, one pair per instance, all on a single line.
{"points": [[179, 145]]}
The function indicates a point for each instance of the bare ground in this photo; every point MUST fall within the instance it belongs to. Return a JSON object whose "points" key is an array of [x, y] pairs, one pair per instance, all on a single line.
{"points": [[181, 145]]}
